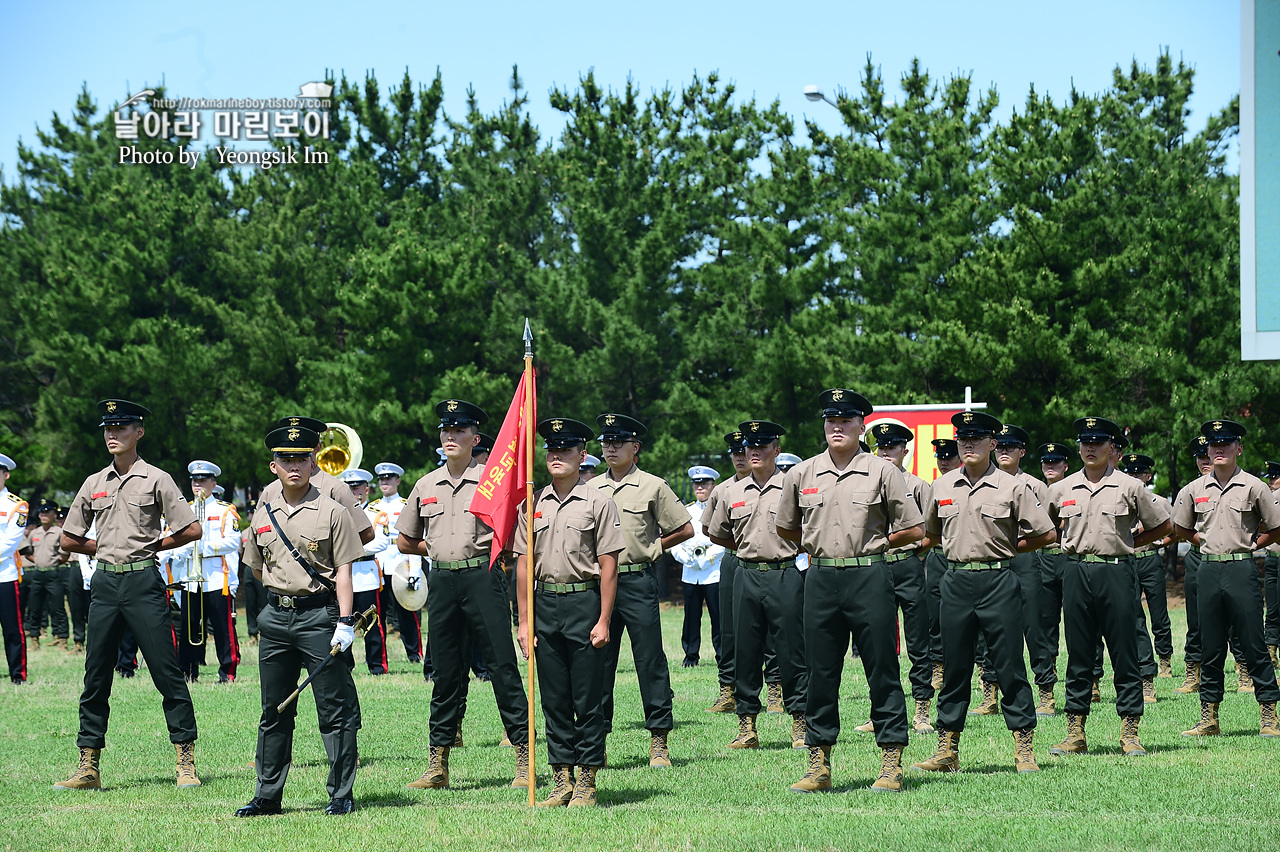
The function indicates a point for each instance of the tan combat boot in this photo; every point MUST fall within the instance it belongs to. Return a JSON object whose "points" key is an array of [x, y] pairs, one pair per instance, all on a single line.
{"points": [[1046, 705], [920, 724], [747, 736], [86, 776], [437, 775], [1192, 683], [1242, 676], [562, 792], [1166, 667], [1024, 758], [457, 736], [725, 703], [1208, 724], [1270, 724], [60, 644], [1075, 743], [1095, 696], [187, 764], [1275, 656], [818, 777], [890, 778], [936, 680], [947, 757], [867, 727], [505, 742], [584, 791], [774, 691], [522, 766], [798, 730], [1149, 690], [1129, 743], [990, 704], [659, 755]]}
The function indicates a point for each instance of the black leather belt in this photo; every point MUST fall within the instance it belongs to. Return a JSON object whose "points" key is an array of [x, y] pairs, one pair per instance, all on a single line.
{"points": [[300, 601], [766, 566]]}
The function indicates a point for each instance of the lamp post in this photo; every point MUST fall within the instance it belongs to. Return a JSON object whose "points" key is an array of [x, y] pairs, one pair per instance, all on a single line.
{"points": [[815, 93]]}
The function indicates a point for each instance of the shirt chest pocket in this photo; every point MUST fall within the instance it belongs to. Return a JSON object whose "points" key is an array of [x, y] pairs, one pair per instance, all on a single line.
{"points": [[810, 505], [580, 535], [947, 511], [432, 515], [101, 504], [143, 510], [1240, 514], [314, 544], [995, 514]]}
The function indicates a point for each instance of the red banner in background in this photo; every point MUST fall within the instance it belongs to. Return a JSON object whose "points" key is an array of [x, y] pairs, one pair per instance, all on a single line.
{"points": [[502, 484], [926, 424]]}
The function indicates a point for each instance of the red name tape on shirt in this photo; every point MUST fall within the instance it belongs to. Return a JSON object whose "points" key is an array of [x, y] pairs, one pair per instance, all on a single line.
{"points": [[739, 504], [261, 530], [537, 514], [99, 494], [808, 491], [944, 502], [430, 500], [1068, 502], [1202, 499]]}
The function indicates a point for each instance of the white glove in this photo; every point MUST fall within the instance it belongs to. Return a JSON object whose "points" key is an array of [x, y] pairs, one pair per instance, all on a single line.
{"points": [[343, 636]]}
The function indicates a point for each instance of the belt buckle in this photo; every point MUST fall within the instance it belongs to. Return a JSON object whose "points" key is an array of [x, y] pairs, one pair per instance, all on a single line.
{"points": [[287, 601]]}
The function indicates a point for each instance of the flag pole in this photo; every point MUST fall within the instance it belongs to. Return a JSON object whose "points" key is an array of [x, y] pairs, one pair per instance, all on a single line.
{"points": [[528, 574]]}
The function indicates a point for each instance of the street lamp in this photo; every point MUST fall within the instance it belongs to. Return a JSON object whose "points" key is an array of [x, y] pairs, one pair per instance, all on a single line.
{"points": [[815, 93]]}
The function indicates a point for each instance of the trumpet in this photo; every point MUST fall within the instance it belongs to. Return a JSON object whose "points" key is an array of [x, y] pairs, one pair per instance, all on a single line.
{"points": [[193, 612]]}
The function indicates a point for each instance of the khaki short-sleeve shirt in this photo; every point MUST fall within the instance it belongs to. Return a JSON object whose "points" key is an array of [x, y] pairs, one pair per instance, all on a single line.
{"points": [[319, 527], [748, 515], [569, 534], [1099, 517], [46, 545], [329, 486], [1037, 485], [130, 511], [919, 491], [846, 513], [1228, 517], [649, 509], [437, 511], [983, 520]]}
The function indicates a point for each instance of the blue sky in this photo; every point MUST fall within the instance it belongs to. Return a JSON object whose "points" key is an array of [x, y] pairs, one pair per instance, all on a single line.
{"points": [[769, 49]]}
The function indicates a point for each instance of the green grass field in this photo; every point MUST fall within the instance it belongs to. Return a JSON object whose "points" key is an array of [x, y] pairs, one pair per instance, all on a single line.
{"points": [[1186, 795]]}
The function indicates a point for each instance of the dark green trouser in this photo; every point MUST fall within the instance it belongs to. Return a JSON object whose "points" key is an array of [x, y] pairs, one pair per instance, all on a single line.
{"points": [[1271, 592], [570, 676], [769, 605], [1191, 591], [636, 609], [1050, 608], [1100, 602], [77, 602], [467, 609], [1231, 601], [909, 596], [293, 640], [1151, 580], [986, 602], [255, 598], [135, 600], [935, 567], [728, 577], [47, 604], [840, 603]]}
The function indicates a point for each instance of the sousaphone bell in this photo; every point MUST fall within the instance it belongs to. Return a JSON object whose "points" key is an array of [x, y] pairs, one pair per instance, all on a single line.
{"points": [[340, 448]]}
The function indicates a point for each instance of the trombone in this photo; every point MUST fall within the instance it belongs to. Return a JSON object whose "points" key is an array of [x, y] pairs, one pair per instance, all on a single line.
{"points": [[193, 590]]}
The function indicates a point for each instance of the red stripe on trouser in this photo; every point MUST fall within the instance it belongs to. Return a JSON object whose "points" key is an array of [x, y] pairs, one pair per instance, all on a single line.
{"points": [[382, 628], [17, 602], [231, 633], [417, 619]]}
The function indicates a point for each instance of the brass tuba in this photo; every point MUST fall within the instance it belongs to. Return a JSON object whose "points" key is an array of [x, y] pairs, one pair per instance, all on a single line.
{"points": [[340, 448]]}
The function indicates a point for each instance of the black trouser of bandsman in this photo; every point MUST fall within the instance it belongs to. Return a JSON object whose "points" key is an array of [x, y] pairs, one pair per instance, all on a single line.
{"points": [[571, 675], [293, 640], [986, 602], [635, 609], [1231, 600], [911, 596], [46, 592], [219, 619], [1191, 592], [407, 622], [469, 606], [1100, 602], [691, 632], [769, 605], [134, 601], [15, 644], [855, 603], [375, 636]]}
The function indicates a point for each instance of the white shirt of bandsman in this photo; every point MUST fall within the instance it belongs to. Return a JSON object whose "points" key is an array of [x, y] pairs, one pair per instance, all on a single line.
{"points": [[219, 547]]}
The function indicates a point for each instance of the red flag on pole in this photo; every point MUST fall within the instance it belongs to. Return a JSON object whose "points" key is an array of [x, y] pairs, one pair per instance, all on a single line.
{"points": [[502, 483]]}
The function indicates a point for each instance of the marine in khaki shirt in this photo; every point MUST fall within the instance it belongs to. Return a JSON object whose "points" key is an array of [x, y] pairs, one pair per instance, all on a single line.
{"points": [[747, 517], [437, 512], [128, 509], [45, 545], [319, 527], [568, 532], [1099, 517], [982, 520]]}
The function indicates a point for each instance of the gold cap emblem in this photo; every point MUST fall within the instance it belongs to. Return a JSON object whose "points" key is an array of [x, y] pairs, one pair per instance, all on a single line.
{"points": [[968, 417], [755, 426], [1090, 422], [884, 428], [609, 419], [1201, 439], [1053, 448], [1217, 425], [295, 421], [557, 425], [737, 436], [1004, 430], [1133, 457], [837, 395], [111, 407], [451, 405], [294, 433]]}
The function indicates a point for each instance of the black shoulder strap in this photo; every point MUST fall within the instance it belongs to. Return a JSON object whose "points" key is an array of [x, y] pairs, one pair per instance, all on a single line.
{"points": [[306, 565]]}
